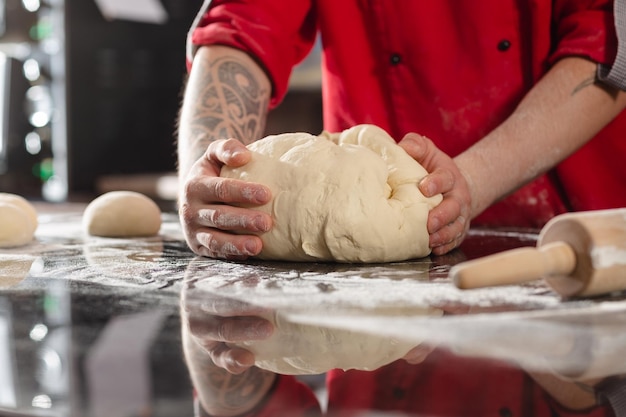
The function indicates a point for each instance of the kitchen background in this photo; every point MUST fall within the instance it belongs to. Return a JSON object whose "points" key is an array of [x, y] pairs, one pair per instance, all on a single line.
{"points": [[89, 95]]}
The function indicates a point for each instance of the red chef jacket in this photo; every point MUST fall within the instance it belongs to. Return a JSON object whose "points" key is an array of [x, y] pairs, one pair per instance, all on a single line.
{"points": [[444, 385], [450, 70]]}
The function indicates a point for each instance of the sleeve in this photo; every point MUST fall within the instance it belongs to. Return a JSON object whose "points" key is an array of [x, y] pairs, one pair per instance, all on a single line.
{"points": [[584, 28], [277, 33], [289, 397], [616, 74], [613, 392]]}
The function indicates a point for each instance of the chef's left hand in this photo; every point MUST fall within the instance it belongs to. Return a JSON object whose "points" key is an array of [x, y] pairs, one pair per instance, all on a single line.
{"points": [[448, 222], [218, 324]]}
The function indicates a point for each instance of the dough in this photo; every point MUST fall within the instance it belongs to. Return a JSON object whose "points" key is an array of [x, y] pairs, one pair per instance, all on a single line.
{"points": [[346, 197], [23, 204], [122, 214], [18, 220], [16, 226], [301, 349], [14, 269]]}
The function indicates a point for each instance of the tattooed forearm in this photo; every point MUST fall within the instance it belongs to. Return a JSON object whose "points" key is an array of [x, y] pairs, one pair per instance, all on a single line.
{"points": [[234, 393], [226, 96], [231, 102], [221, 392]]}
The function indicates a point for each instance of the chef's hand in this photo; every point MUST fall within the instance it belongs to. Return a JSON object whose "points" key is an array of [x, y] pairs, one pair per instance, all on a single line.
{"points": [[224, 378], [216, 324], [418, 354], [448, 222], [206, 205]]}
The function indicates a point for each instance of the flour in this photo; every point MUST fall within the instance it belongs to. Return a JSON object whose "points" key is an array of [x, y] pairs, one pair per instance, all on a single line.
{"points": [[607, 257]]}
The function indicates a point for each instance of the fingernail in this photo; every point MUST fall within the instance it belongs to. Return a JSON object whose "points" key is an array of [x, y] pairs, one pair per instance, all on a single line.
{"points": [[261, 195], [251, 247], [430, 189], [260, 224], [244, 363], [233, 153]]}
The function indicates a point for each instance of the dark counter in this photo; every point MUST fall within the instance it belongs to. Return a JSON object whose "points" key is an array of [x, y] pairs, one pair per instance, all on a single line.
{"points": [[91, 326]]}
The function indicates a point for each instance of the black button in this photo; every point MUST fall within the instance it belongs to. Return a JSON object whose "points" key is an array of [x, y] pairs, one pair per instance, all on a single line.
{"points": [[395, 59], [505, 412], [398, 393], [504, 45]]}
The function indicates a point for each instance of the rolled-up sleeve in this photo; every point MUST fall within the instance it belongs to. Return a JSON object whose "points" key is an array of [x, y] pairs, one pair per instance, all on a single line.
{"points": [[278, 34], [585, 28]]}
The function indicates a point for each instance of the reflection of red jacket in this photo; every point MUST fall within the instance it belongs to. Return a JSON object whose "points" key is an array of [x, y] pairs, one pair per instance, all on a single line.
{"points": [[442, 386], [451, 70]]}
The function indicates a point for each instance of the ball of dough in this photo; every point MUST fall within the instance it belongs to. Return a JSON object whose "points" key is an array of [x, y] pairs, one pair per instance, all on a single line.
{"points": [[122, 214], [23, 204], [17, 227], [346, 197], [301, 349]]}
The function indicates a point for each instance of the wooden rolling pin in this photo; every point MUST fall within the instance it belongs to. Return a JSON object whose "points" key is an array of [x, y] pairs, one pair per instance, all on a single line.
{"points": [[578, 254]]}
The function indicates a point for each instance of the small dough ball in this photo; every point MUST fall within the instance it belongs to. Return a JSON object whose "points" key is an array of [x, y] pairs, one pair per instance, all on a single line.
{"points": [[122, 214], [17, 227], [346, 197], [23, 204]]}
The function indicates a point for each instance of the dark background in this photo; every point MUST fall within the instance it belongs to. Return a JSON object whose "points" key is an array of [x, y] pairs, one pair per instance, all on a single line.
{"points": [[116, 99]]}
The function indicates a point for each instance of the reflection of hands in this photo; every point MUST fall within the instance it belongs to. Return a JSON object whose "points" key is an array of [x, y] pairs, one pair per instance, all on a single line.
{"points": [[207, 216], [216, 323], [225, 379], [449, 222]]}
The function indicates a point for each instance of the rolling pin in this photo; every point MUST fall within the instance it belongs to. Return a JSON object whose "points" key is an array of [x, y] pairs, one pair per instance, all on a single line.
{"points": [[578, 254]]}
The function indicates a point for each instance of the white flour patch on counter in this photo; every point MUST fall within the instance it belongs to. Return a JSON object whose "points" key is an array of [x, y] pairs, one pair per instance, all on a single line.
{"points": [[347, 288], [71, 254]]}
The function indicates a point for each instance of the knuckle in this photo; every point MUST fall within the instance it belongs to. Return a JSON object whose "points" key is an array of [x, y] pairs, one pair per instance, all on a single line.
{"points": [[209, 217], [189, 187], [221, 190], [185, 213], [222, 331]]}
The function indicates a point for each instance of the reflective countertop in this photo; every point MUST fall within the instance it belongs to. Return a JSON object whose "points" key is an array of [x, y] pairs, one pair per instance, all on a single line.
{"points": [[91, 326]]}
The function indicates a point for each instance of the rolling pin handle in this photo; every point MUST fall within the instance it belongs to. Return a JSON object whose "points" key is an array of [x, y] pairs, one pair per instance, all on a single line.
{"points": [[515, 266]]}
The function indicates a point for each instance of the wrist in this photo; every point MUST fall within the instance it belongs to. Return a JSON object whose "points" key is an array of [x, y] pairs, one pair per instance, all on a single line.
{"points": [[477, 195]]}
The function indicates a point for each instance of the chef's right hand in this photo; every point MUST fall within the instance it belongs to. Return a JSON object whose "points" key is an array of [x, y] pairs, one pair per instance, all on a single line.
{"points": [[212, 223]]}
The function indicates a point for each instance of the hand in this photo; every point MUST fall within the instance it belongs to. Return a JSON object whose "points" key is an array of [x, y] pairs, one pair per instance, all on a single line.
{"points": [[418, 354], [216, 322], [449, 222], [225, 379], [212, 225]]}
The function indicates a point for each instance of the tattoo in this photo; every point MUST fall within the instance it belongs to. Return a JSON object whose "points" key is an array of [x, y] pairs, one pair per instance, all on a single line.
{"points": [[585, 83], [593, 80], [585, 387], [236, 392], [232, 104]]}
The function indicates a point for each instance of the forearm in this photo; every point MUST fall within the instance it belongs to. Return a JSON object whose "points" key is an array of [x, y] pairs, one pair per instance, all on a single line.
{"points": [[574, 396], [559, 115], [226, 96], [221, 393]]}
